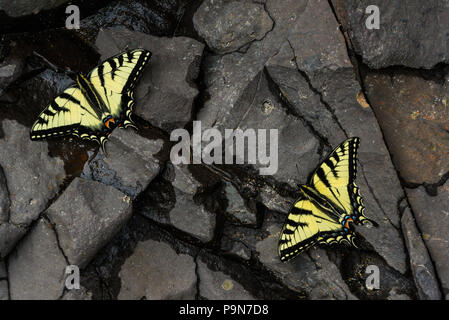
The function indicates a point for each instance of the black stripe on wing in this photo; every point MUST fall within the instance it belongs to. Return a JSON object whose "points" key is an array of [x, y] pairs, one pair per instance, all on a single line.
{"points": [[136, 72]]}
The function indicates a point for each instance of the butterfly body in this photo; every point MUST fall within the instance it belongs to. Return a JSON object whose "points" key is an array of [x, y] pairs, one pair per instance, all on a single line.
{"points": [[328, 205], [98, 103]]}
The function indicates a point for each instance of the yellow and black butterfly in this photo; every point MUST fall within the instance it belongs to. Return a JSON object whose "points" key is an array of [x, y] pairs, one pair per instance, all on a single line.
{"points": [[97, 103], [327, 206]]}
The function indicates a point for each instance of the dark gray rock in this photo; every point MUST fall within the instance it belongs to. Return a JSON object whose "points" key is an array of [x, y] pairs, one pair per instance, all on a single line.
{"points": [[9, 235], [187, 215], [417, 106], [411, 33], [132, 15], [4, 198], [32, 180], [215, 285], [159, 17], [10, 69], [258, 108], [273, 200], [172, 200], [420, 262], [77, 294], [155, 271], [431, 215], [3, 273], [130, 164], [395, 295], [23, 8], [86, 216], [235, 248], [4, 292], [167, 89], [227, 26], [36, 267], [227, 76], [237, 210], [192, 218]]}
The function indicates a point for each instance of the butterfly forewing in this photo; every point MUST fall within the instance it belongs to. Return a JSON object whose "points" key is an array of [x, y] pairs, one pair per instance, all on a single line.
{"points": [[307, 224], [115, 79], [335, 176]]}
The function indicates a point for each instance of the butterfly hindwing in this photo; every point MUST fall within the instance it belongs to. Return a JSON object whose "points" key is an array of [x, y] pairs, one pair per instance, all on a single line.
{"points": [[64, 115], [307, 224], [335, 179]]}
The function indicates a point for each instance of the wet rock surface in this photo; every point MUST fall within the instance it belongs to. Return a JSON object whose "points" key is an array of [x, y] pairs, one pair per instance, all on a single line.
{"points": [[141, 227], [130, 164]]}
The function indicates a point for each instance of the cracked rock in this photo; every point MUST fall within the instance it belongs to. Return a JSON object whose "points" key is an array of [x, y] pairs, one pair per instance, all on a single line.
{"points": [[259, 108], [4, 293], [130, 164], [86, 217], [9, 235], [237, 209], [431, 214], [10, 70], [227, 26], [316, 78], [420, 150], [181, 209], [227, 76], [31, 181], [168, 81], [215, 285], [4, 198], [420, 262], [155, 271], [411, 33], [3, 273], [36, 267], [77, 294]]}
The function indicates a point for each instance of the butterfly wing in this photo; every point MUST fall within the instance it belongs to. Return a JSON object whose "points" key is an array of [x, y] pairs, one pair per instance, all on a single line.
{"points": [[115, 80], [335, 180], [308, 223], [69, 113]]}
